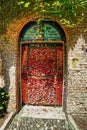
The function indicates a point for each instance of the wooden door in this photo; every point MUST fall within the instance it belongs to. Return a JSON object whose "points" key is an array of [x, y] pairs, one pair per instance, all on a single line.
{"points": [[42, 74]]}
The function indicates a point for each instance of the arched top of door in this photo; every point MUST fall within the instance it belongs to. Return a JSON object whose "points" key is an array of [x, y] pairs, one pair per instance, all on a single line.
{"points": [[46, 30]]}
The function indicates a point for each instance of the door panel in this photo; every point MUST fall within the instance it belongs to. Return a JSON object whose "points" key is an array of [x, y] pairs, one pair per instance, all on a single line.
{"points": [[42, 75]]}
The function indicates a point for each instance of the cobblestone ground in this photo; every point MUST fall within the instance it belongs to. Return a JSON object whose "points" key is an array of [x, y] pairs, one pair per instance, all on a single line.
{"points": [[37, 124], [23, 121]]}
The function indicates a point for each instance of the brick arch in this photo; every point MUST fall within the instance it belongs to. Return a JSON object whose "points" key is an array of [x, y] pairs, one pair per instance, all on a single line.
{"points": [[16, 25], [35, 17]]}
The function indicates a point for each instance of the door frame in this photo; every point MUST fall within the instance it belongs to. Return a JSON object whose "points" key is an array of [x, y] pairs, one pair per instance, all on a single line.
{"points": [[51, 42]]}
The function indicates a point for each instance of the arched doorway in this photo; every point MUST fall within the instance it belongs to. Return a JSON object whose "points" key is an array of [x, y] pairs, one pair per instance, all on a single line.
{"points": [[42, 63]]}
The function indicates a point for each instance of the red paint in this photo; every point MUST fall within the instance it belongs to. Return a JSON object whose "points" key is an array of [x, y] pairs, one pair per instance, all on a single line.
{"points": [[42, 75]]}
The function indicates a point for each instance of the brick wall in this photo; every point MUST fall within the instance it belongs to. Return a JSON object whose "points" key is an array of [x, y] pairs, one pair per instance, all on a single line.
{"points": [[76, 80], [77, 70]]}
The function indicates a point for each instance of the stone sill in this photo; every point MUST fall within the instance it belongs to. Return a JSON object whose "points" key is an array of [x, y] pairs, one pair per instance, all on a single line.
{"points": [[6, 122], [72, 124]]}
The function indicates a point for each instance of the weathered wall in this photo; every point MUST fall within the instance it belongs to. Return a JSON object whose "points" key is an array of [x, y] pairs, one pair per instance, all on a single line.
{"points": [[76, 80], [77, 70], [8, 54]]}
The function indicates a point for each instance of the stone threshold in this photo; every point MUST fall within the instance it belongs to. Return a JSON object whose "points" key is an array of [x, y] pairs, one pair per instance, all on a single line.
{"points": [[43, 112]]}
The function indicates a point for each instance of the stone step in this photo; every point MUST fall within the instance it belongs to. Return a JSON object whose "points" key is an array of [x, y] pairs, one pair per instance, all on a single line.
{"points": [[39, 118]]}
